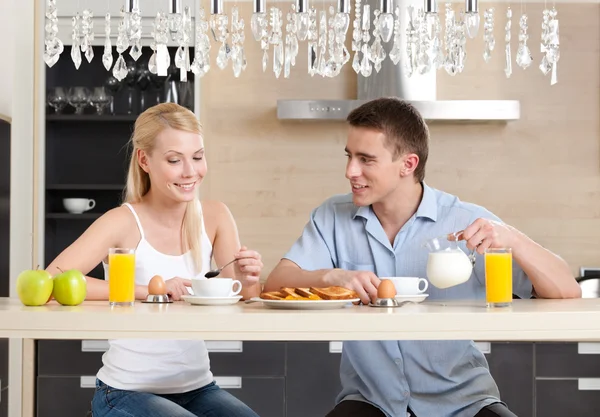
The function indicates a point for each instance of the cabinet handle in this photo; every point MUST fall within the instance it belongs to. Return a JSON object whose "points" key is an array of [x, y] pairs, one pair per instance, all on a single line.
{"points": [[229, 382], [224, 346], [588, 348], [86, 381], [94, 345], [336, 347], [484, 347], [588, 384]]}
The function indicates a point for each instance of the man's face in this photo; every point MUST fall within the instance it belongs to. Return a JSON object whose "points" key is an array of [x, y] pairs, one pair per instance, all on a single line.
{"points": [[371, 169]]}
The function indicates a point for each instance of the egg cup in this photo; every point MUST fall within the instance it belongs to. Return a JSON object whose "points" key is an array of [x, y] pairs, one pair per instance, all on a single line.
{"points": [[157, 299], [385, 302]]}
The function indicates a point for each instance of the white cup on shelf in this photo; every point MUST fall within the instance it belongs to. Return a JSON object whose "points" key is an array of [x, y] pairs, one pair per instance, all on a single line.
{"points": [[78, 205]]}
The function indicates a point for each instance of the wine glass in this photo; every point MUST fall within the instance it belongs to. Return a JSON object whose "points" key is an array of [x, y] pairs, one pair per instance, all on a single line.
{"points": [[57, 99], [78, 97], [100, 99]]}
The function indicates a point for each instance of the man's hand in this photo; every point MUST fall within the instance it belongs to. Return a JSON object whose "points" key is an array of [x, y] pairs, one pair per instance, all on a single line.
{"points": [[365, 283], [484, 233]]}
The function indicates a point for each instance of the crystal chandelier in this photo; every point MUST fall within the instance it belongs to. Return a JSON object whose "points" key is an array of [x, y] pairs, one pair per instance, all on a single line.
{"points": [[421, 44]]}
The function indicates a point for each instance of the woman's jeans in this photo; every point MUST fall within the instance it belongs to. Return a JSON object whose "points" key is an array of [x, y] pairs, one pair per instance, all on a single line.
{"points": [[208, 401]]}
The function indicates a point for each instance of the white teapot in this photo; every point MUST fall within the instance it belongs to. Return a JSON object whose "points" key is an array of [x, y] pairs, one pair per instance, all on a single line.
{"points": [[447, 264]]}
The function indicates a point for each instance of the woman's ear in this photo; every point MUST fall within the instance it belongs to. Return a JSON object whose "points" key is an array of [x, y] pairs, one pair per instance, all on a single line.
{"points": [[142, 159]]}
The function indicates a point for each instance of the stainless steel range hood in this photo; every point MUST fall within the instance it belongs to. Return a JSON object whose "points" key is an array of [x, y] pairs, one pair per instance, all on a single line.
{"points": [[391, 81]]}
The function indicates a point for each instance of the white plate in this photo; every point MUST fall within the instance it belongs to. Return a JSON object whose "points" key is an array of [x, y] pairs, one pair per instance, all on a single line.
{"points": [[305, 304], [211, 301], [417, 298]]}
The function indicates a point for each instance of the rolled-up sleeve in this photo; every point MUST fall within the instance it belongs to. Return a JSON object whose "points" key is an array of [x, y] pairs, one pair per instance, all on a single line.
{"points": [[522, 286], [315, 248]]}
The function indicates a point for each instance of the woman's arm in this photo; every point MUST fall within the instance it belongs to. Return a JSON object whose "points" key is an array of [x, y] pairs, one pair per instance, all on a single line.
{"points": [[227, 246], [92, 247]]}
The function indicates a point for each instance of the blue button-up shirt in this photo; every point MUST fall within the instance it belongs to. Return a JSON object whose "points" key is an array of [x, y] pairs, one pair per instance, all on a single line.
{"points": [[434, 378]]}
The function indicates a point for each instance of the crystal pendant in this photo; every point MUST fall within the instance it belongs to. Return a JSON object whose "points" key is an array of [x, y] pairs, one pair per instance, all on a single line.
{"points": [[472, 23], [524, 57], [120, 69], [76, 56], [89, 54], [386, 26], [265, 60], [255, 25], [302, 26], [222, 57], [136, 50], [152, 63]]}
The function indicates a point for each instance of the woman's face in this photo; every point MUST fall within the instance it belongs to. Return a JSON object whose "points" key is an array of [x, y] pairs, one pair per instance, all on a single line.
{"points": [[177, 164]]}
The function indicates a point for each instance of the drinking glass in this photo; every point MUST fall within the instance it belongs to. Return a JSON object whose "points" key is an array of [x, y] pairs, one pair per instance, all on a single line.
{"points": [[79, 97], [57, 99], [121, 276], [498, 277], [100, 99]]}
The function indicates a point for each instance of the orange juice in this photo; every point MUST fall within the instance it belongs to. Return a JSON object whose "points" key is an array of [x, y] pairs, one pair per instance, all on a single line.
{"points": [[498, 277], [121, 276]]}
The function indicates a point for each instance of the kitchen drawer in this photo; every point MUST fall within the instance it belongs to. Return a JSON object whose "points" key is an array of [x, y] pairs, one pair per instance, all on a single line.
{"points": [[63, 396], [3, 401], [266, 396], [84, 357], [254, 358], [567, 397], [4, 362], [570, 360], [313, 380], [511, 366], [69, 357]]}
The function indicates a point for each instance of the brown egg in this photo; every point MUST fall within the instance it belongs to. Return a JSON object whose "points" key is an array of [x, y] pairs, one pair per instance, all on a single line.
{"points": [[386, 289], [157, 286]]}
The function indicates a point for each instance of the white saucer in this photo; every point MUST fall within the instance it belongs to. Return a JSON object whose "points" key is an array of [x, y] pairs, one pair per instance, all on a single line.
{"points": [[211, 301], [417, 298]]}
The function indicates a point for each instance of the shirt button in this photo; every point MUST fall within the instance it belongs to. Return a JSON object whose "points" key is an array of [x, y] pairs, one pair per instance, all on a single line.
{"points": [[405, 393], [398, 361]]}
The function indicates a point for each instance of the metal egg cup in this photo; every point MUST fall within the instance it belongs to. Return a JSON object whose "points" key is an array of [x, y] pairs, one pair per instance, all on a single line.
{"points": [[385, 302], [157, 299]]}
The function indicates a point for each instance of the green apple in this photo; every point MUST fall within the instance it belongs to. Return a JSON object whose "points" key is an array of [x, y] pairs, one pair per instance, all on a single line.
{"points": [[34, 287], [70, 287]]}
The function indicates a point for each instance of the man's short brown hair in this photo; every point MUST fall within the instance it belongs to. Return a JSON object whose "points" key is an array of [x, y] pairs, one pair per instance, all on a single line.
{"points": [[404, 128]]}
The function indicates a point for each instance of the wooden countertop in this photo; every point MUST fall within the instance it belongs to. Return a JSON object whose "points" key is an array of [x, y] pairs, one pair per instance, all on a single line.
{"points": [[536, 320]]}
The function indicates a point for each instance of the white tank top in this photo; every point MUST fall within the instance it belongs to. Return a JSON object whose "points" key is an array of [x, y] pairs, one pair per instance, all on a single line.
{"points": [[158, 366]]}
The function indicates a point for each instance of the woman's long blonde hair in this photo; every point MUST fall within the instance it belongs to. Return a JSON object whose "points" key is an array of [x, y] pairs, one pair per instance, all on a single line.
{"points": [[147, 126]]}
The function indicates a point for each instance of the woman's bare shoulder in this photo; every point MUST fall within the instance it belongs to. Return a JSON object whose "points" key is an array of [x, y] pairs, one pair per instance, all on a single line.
{"points": [[119, 220], [215, 209]]}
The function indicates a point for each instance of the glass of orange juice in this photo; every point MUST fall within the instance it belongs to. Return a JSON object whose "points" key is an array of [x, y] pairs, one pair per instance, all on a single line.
{"points": [[121, 276], [498, 277]]}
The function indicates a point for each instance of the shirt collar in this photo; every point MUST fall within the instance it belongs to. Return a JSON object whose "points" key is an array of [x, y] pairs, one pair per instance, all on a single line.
{"points": [[427, 208]]}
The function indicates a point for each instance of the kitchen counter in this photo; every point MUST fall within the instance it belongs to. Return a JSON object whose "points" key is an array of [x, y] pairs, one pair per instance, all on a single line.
{"points": [[526, 320], [539, 320]]}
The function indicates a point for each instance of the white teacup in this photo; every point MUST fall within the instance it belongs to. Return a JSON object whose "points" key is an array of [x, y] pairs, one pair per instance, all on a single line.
{"points": [[216, 287], [409, 285], [78, 205]]}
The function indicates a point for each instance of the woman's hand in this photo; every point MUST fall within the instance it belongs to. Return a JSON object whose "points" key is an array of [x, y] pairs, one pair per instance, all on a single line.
{"points": [[248, 267], [176, 287]]}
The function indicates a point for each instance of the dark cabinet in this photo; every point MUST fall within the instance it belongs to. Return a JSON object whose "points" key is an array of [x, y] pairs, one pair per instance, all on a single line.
{"points": [[560, 398], [313, 380], [4, 402], [266, 396], [64, 396], [512, 367], [564, 360]]}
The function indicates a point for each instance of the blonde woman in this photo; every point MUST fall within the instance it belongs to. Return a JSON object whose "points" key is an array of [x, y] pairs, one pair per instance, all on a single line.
{"points": [[175, 236]]}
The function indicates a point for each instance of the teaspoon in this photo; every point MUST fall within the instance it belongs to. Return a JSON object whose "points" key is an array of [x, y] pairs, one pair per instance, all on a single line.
{"points": [[215, 272]]}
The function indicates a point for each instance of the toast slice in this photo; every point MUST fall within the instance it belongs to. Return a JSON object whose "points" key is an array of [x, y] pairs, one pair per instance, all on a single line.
{"points": [[304, 292], [272, 295], [334, 293], [289, 292]]}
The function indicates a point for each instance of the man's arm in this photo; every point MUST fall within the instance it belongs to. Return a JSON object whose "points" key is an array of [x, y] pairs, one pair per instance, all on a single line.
{"points": [[311, 262], [549, 274]]}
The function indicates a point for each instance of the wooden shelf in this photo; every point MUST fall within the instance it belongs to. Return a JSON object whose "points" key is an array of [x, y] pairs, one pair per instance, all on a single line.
{"points": [[91, 117], [67, 216], [86, 187]]}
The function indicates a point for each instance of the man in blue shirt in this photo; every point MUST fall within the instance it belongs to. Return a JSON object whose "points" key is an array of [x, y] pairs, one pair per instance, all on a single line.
{"points": [[378, 231]]}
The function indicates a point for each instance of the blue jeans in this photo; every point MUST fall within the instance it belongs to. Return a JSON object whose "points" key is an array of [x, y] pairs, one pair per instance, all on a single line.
{"points": [[208, 401]]}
